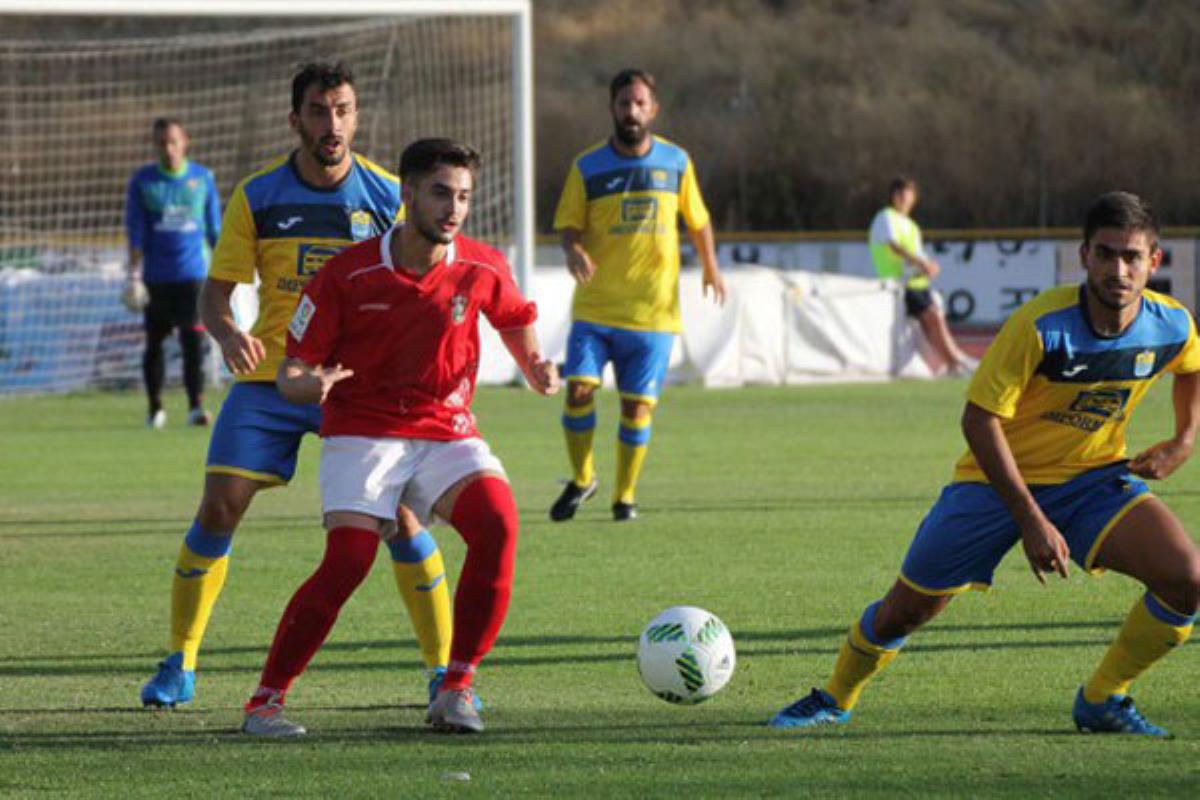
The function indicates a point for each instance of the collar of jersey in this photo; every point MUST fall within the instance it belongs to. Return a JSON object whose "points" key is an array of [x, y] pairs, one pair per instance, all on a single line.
{"points": [[385, 253], [325, 189], [613, 148], [1087, 317]]}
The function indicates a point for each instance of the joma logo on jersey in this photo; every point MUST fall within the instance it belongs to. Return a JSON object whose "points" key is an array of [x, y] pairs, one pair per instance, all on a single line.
{"points": [[1101, 402], [639, 209], [360, 225], [311, 257], [458, 308]]}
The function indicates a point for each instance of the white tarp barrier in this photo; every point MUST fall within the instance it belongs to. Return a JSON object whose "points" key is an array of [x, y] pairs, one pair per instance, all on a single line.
{"points": [[776, 327]]}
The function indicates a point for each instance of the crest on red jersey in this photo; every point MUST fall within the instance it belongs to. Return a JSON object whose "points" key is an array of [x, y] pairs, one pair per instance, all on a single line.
{"points": [[458, 308]]}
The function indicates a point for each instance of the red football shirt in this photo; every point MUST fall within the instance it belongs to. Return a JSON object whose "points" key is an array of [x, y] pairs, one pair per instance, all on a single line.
{"points": [[412, 341]]}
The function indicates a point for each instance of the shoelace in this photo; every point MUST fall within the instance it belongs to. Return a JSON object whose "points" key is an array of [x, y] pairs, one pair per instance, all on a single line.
{"points": [[1133, 718], [809, 705]]}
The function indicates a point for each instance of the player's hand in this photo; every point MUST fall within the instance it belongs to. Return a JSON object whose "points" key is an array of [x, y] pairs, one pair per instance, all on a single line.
{"points": [[242, 352], [1045, 548], [580, 265], [543, 376], [932, 268], [1160, 460], [713, 281], [329, 376]]}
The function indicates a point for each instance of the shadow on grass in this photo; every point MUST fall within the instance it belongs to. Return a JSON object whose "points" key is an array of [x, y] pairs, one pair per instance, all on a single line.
{"points": [[585, 732]]}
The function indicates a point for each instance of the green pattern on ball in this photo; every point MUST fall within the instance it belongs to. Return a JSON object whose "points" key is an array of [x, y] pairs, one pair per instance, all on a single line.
{"points": [[668, 632], [689, 670]]}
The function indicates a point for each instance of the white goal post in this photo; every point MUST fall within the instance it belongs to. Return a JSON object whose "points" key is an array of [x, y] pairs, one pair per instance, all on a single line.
{"points": [[82, 80]]}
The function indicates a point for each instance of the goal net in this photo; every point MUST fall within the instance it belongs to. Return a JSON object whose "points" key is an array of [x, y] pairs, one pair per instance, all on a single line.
{"points": [[79, 95]]}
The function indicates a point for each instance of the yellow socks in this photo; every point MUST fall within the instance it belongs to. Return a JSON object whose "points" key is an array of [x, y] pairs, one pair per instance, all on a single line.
{"points": [[199, 575], [860, 658], [421, 579], [632, 438], [1151, 630], [579, 424]]}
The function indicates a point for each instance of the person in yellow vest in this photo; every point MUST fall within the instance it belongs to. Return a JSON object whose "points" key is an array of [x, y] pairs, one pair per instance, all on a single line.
{"points": [[898, 253]]}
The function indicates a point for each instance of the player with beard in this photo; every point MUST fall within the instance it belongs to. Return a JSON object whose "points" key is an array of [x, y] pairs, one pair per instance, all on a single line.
{"points": [[1046, 465], [281, 225], [619, 220], [386, 337]]}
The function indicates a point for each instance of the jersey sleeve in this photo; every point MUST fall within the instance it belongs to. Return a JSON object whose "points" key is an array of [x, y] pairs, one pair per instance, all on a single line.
{"points": [[212, 212], [1007, 367], [882, 231], [1188, 359], [691, 203], [572, 204], [506, 308], [135, 216], [313, 331], [236, 255]]}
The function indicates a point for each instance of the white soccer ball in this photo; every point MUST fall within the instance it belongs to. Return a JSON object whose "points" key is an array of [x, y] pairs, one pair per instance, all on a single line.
{"points": [[686, 655]]}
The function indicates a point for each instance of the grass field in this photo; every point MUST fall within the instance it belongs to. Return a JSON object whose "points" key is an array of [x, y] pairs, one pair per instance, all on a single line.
{"points": [[784, 511]]}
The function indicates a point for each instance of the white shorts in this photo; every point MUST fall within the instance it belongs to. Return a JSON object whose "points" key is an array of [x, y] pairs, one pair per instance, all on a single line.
{"points": [[374, 476]]}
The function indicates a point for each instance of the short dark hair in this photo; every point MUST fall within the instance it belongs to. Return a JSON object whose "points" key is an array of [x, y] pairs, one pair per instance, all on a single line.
{"points": [[899, 184], [162, 123], [627, 77], [321, 73], [1122, 210], [425, 155]]}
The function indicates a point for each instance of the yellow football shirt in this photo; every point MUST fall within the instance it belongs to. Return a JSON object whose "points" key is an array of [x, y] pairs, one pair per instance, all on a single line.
{"points": [[284, 230], [627, 210], [1064, 393]]}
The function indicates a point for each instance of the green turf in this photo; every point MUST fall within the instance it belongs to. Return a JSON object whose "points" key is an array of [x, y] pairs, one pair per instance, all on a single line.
{"points": [[784, 511]]}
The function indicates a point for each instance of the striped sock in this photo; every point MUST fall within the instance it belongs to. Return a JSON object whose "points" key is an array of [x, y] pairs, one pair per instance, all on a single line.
{"points": [[421, 579], [199, 576]]}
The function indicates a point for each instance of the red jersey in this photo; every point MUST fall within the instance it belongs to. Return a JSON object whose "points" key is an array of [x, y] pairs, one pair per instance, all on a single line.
{"points": [[412, 341]]}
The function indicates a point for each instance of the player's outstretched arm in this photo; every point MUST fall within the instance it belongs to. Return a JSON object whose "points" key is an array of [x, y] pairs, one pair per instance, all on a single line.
{"points": [[1044, 546], [1162, 459], [241, 351], [302, 383], [541, 373]]}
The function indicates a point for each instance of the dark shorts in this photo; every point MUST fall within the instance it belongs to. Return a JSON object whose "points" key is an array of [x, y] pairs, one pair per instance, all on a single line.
{"points": [[172, 305], [917, 300], [969, 530]]}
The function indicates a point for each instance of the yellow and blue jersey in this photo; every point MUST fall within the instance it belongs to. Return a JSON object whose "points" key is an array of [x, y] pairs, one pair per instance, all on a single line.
{"points": [[1065, 393], [284, 229], [627, 210]]}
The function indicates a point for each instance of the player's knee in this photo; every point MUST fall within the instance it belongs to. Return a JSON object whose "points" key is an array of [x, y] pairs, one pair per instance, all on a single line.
{"points": [[904, 611], [220, 511], [1182, 591], [580, 394], [637, 410]]}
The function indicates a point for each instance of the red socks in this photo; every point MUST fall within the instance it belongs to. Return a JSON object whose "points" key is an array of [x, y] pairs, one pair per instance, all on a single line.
{"points": [[308, 618], [485, 515]]}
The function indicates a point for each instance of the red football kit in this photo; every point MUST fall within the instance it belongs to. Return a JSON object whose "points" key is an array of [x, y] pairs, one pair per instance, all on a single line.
{"points": [[412, 341]]}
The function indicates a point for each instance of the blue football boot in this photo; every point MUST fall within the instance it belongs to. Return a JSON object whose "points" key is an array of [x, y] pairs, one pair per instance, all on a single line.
{"points": [[436, 676], [818, 708], [1117, 714], [172, 686]]}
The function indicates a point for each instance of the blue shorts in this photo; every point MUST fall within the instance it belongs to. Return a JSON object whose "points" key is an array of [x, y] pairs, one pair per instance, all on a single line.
{"points": [[969, 530], [639, 358], [258, 433]]}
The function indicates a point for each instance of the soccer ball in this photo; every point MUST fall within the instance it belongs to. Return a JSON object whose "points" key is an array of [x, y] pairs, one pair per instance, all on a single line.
{"points": [[686, 655]]}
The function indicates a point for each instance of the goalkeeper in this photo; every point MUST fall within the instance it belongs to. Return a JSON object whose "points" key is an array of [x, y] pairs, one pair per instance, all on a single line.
{"points": [[172, 221]]}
